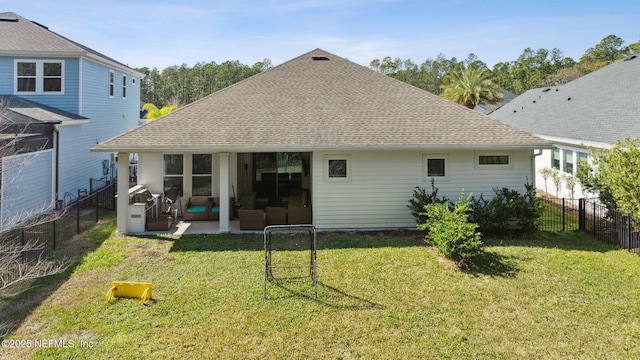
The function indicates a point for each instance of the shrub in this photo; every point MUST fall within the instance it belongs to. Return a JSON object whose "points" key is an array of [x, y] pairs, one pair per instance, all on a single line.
{"points": [[508, 210], [451, 232], [420, 199]]}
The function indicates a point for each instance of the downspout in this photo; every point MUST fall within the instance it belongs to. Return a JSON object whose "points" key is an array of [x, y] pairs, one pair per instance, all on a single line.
{"points": [[533, 166], [57, 156]]}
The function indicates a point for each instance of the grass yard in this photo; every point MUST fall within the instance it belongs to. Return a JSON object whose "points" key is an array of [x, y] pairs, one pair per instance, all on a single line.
{"points": [[552, 296]]}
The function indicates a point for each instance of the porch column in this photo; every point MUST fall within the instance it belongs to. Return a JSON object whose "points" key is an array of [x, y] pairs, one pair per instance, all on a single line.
{"points": [[122, 205], [224, 192]]}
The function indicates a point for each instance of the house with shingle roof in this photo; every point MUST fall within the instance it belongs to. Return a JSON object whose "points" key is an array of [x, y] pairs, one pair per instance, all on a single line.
{"points": [[354, 142], [58, 98], [593, 111]]}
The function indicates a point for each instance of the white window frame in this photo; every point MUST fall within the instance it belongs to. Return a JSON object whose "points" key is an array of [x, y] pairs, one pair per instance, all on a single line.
{"points": [[328, 159], [563, 158], [133, 81], [39, 77], [478, 166], [112, 84], [124, 86], [179, 175], [425, 166], [210, 175]]}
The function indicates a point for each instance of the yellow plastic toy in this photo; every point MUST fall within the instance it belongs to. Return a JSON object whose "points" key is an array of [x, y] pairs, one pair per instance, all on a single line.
{"points": [[135, 290]]}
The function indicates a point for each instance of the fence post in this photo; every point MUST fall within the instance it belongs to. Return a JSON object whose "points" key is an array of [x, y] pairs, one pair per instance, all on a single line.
{"points": [[581, 214], [23, 244], [629, 231], [594, 218], [563, 211], [55, 221], [98, 195], [78, 216]]}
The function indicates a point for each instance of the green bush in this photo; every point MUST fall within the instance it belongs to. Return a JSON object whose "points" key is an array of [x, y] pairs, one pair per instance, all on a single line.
{"points": [[420, 199], [450, 231], [507, 211]]}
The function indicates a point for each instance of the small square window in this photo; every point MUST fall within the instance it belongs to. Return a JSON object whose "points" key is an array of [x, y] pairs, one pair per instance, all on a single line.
{"points": [[338, 168], [434, 166]]}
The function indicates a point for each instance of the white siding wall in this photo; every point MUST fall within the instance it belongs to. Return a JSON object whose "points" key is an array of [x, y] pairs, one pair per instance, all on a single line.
{"points": [[544, 161], [383, 182], [27, 185]]}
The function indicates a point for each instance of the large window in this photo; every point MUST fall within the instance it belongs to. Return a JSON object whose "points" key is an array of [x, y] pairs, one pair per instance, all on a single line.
{"points": [[173, 172], [555, 159], [568, 161], [202, 175], [39, 76]]}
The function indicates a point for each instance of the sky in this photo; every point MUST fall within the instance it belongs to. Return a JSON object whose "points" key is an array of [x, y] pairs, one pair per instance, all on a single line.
{"points": [[163, 33]]}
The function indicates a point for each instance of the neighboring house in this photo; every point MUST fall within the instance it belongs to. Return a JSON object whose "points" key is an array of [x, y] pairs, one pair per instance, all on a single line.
{"points": [[73, 98], [507, 96], [353, 142], [592, 111]]}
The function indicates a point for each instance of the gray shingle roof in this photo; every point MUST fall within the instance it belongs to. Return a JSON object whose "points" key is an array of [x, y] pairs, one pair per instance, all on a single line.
{"points": [[20, 110], [602, 106], [307, 104], [19, 36]]}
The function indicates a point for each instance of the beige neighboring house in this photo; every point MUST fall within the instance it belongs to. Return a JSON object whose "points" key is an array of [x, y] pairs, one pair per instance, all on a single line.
{"points": [[353, 142]]}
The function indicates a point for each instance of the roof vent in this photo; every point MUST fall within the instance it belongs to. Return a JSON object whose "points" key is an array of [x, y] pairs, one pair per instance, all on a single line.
{"points": [[568, 99], [6, 19], [630, 57], [320, 58], [547, 89], [42, 26]]}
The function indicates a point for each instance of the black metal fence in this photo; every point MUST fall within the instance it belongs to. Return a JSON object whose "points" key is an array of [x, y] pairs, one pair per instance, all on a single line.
{"points": [[51, 231], [586, 215]]}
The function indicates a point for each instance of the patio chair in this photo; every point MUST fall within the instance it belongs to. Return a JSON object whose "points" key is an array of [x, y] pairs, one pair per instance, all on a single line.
{"points": [[172, 201], [276, 215]]}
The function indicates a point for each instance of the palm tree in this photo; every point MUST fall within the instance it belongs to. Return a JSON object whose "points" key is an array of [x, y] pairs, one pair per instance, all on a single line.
{"points": [[153, 112], [470, 86]]}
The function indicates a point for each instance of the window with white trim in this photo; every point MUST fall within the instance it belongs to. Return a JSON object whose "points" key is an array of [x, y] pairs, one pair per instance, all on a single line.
{"points": [[435, 166], [173, 171], [112, 83], [124, 86], [202, 174], [493, 160], [555, 159], [39, 77], [337, 168], [567, 166]]}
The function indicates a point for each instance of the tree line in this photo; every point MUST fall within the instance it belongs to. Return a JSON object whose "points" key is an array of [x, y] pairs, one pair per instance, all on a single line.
{"points": [[180, 85]]}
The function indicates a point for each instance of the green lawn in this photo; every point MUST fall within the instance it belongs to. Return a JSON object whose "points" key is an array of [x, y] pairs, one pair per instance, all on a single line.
{"points": [[556, 296]]}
